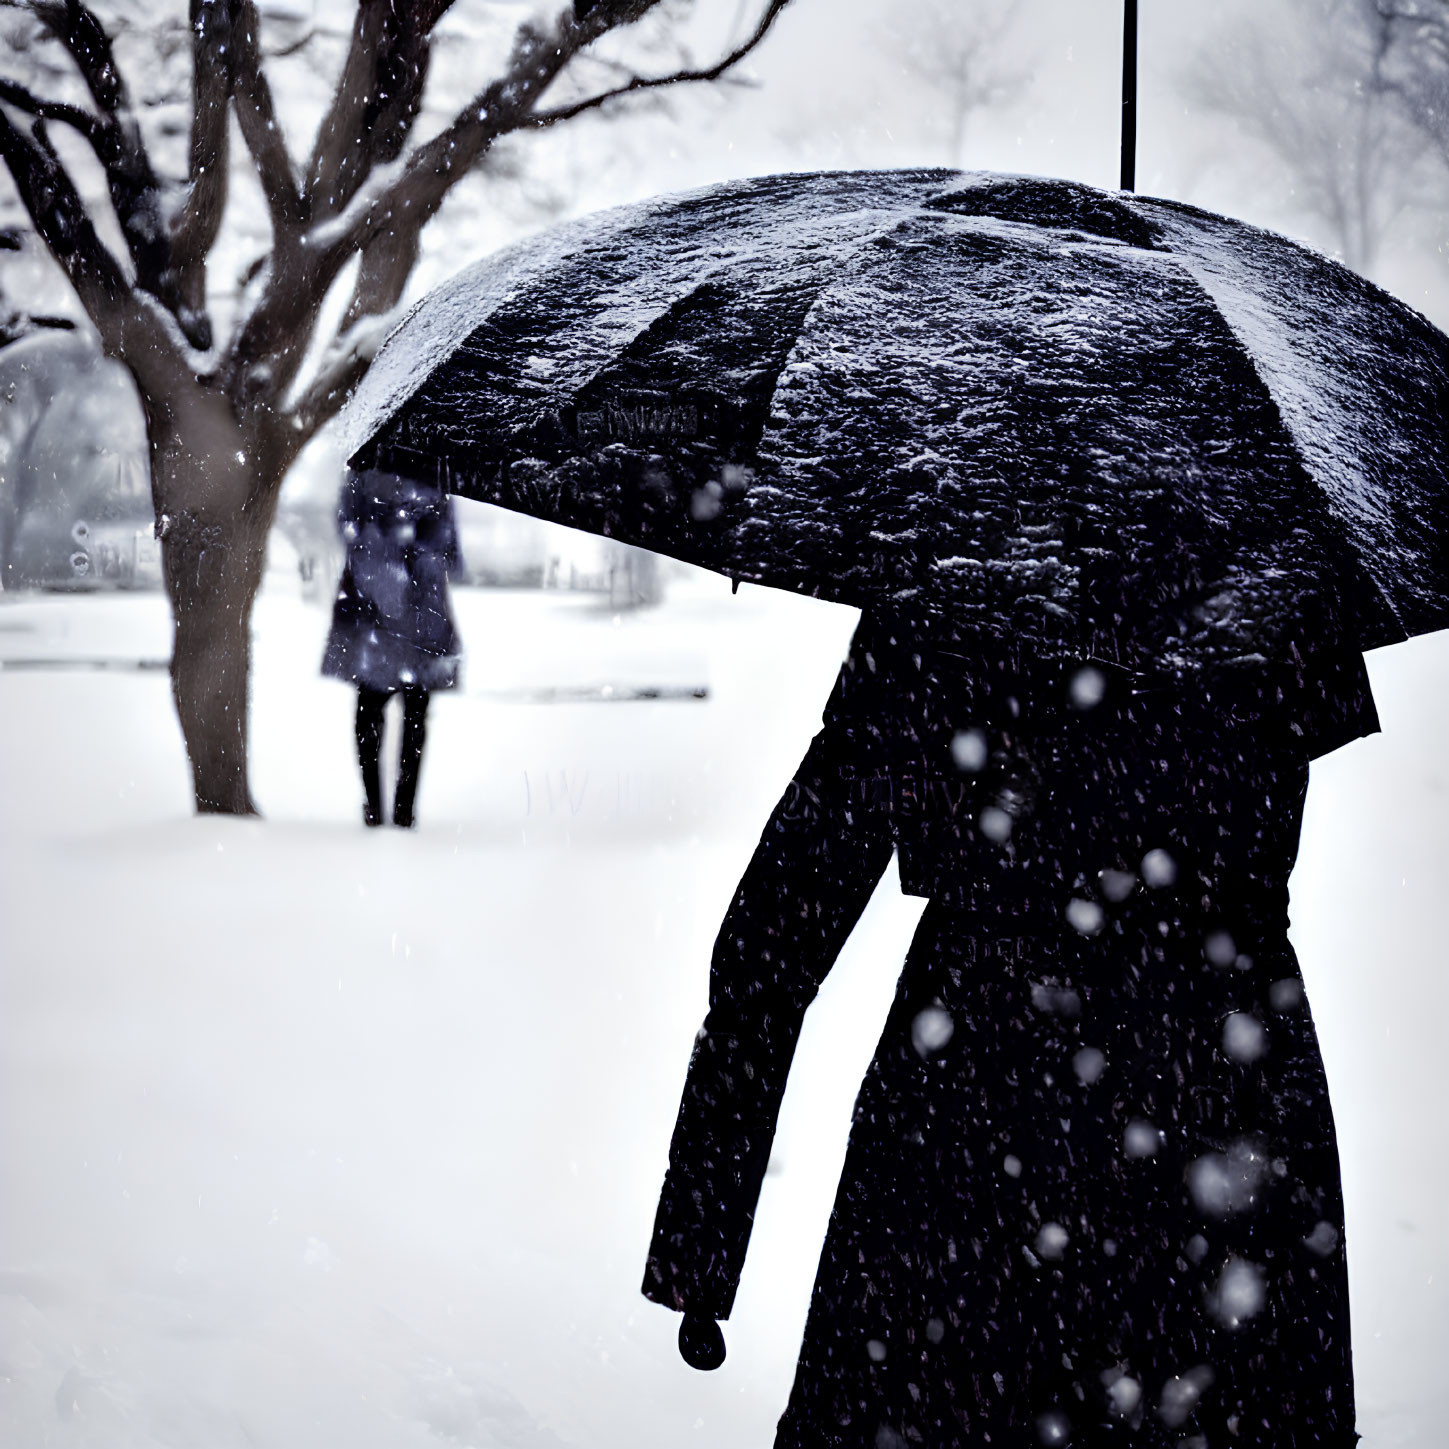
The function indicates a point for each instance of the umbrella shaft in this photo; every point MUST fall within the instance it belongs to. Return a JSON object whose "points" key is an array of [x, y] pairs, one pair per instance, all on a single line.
{"points": [[1129, 96]]}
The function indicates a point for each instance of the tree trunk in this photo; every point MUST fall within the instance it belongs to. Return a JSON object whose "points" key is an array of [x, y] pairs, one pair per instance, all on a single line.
{"points": [[213, 515], [213, 569]]}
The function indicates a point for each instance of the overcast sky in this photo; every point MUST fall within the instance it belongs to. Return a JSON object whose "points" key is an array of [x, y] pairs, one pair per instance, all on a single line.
{"points": [[832, 91]]}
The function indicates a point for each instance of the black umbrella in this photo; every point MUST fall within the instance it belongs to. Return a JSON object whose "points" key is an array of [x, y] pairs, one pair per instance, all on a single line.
{"points": [[1074, 421], [1063, 422]]}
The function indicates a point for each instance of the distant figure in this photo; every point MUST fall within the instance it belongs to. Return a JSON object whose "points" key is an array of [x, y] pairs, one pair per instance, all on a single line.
{"points": [[1091, 1195], [392, 629]]}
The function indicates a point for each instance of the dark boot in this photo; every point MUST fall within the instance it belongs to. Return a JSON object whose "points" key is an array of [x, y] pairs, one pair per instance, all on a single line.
{"points": [[410, 760], [370, 705]]}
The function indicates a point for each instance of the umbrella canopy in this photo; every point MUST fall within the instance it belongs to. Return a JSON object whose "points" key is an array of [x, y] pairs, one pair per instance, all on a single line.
{"points": [[1073, 421]]}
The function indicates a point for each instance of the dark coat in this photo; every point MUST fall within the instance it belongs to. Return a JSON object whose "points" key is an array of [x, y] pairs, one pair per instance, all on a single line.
{"points": [[1091, 1193], [391, 625]]}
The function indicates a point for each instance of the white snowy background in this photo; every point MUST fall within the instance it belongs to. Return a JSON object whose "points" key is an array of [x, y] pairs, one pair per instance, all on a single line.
{"points": [[316, 1137]]}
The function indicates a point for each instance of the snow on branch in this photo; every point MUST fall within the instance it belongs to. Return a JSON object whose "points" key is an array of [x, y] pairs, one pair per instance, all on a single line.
{"points": [[376, 100], [351, 357], [339, 231], [384, 266], [83, 122]]}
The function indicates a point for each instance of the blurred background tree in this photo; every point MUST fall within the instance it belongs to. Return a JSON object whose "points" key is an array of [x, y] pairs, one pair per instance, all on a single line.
{"points": [[246, 284], [957, 61], [1345, 103], [1414, 39]]}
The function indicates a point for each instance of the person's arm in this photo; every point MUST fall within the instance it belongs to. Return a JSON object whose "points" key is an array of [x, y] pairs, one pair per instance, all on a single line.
{"points": [[452, 552], [810, 877]]}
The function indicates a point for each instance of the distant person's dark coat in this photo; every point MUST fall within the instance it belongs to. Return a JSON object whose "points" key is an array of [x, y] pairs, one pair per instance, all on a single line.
{"points": [[1091, 1195], [392, 627]]}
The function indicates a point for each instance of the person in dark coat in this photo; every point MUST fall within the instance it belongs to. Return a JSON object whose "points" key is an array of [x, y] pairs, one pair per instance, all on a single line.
{"points": [[1091, 1194], [392, 628]]}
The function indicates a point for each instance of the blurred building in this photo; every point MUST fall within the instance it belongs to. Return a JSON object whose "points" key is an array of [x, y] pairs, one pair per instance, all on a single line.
{"points": [[76, 509], [75, 484]]}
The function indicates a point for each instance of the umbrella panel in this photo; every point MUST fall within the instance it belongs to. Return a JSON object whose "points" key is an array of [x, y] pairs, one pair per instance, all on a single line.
{"points": [[870, 389], [1054, 442]]}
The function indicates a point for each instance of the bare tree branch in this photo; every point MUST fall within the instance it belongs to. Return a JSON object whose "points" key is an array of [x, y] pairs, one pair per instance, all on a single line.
{"points": [[198, 223], [402, 196], [384, 267], [85, 123], [679, 77], [221, 431], [510, 104], [1308, 84], [377, 99], [957, 56], [59, 216], [382, 275], [114, 135], [85, 38], [324, 399], [128, 329], [292, 47], [257, 117], [400, 199]]}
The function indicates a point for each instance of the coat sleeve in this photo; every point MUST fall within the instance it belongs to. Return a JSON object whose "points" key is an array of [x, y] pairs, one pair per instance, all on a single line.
{"points": [[452, 552], [805, 887], [349, 507]]}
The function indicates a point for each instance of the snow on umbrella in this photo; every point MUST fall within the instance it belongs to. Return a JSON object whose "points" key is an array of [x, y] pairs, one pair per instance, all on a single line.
{"points": [[1084, 423]]}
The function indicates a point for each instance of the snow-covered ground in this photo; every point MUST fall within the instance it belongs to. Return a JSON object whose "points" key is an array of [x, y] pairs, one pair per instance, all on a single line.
{"points": [[312, 1136]]}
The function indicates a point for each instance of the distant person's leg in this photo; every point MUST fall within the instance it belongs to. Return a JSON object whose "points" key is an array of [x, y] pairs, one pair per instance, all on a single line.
{"points": [[370, 705], [410, 762]]}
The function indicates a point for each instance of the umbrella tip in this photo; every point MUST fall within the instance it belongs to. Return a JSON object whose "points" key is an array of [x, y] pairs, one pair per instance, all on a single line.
{"points": [[734, 586]]}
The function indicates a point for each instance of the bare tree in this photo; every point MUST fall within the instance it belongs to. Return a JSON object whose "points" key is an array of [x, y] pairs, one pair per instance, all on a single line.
{"points": [[231, 399], [1413, 41], [956, 53], [1321, 86]]}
